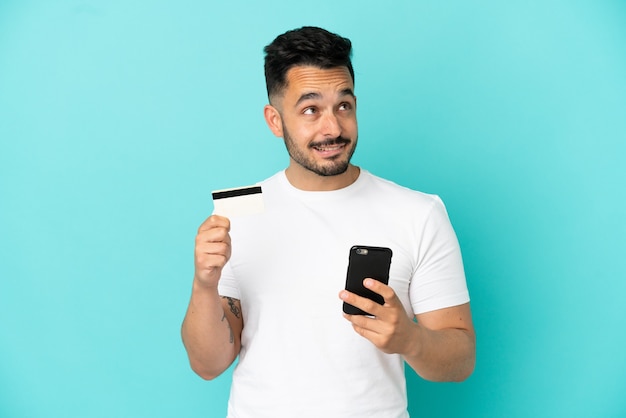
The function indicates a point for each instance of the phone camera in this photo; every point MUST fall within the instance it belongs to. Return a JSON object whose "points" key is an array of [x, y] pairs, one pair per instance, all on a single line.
{"points": [[361, 251]]}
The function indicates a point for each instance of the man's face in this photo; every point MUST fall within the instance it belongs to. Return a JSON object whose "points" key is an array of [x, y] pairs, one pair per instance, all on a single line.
{"points": [[318, 118]]}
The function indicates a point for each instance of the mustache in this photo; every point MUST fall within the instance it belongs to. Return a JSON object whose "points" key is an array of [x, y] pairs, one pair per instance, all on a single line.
{"points": [[330, 142]]}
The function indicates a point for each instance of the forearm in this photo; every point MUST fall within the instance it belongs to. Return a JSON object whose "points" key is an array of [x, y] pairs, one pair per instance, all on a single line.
{"points": [[207, 334], [446, 355]]}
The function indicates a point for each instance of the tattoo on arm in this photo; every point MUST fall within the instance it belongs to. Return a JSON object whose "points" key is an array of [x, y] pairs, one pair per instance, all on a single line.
{"points": [[232, 336], [234, 309]]}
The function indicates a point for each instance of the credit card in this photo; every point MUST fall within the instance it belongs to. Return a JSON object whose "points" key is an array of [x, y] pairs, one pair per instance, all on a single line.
{"points": [[238, 201]]}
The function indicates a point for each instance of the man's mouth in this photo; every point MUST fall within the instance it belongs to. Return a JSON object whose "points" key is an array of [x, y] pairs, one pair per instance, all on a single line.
{"points": [[327, 148], [330, 146]]}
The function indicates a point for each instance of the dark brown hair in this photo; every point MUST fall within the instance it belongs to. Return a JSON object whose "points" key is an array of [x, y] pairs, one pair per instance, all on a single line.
{"points": [[305, 46]]}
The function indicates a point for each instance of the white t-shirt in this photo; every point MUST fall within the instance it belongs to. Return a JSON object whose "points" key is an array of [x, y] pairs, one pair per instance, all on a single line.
{"points": [[299, 356]]}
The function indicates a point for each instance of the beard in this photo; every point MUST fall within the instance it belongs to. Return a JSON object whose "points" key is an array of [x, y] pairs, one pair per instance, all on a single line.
{"points": [[330, 166]]}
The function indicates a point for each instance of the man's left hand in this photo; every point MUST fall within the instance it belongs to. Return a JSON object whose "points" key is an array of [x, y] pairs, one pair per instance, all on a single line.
{"points": [[388, 328]]}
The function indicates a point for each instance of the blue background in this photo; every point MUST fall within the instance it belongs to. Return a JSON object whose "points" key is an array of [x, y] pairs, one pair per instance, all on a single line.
{"points": [[117, 119]]}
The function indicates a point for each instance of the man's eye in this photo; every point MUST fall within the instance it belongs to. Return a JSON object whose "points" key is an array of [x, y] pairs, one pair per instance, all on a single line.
{"points": [[345, 106], [309, 111]]}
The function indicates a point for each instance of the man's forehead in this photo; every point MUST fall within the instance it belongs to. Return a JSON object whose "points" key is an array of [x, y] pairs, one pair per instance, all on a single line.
{"points": [[302, 80], [308, 77]]}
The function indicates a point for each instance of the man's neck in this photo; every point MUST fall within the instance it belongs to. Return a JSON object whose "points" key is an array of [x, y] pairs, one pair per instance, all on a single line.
{"points": [[306, 180]]}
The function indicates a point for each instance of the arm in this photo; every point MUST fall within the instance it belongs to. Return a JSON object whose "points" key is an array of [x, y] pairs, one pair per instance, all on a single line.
{"points": [[440, 346], [211, 330]]}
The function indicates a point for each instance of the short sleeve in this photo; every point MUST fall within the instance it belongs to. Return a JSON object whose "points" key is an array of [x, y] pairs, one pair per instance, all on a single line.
{"points": [[439, 278], [227, 285]]}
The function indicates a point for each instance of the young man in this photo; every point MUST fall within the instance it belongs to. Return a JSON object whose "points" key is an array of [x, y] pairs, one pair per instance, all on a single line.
{"points": [[275, 299]]}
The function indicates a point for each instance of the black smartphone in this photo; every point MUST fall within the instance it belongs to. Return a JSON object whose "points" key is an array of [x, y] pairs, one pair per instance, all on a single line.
{"points": [[365, 261]]}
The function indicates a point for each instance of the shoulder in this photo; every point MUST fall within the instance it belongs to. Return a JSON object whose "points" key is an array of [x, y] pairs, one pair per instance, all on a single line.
{"points": [[407, 205], [400, 194]]}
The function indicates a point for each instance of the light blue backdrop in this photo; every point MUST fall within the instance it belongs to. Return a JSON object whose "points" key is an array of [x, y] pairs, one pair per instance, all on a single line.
{"points": [[117, 119]]}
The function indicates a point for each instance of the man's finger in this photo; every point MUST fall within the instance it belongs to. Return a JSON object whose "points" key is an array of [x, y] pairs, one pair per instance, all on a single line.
{"points": [[382, 289], [215, 221], [365, 304]]}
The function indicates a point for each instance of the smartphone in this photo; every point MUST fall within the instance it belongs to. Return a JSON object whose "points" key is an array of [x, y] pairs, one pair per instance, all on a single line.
{"points": [[365, 261]]}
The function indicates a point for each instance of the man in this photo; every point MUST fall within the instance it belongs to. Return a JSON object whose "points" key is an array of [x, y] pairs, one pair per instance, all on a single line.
{"points": [[272, 300]]}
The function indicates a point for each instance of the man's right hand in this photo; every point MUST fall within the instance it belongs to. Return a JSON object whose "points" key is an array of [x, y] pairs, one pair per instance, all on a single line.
{"points": [[212, 250], [212, 326]]}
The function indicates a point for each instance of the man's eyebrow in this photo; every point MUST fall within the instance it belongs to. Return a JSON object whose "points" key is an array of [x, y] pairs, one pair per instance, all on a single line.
{"points": [[346, 92], [308, 96], [314, 95]]}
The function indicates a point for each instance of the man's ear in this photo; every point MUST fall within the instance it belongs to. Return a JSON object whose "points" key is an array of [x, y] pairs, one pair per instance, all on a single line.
{"points": [[273, 120]]}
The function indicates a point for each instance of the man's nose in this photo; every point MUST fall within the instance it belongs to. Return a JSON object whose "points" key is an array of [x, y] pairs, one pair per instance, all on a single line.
{"points": [[330, 125]]}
